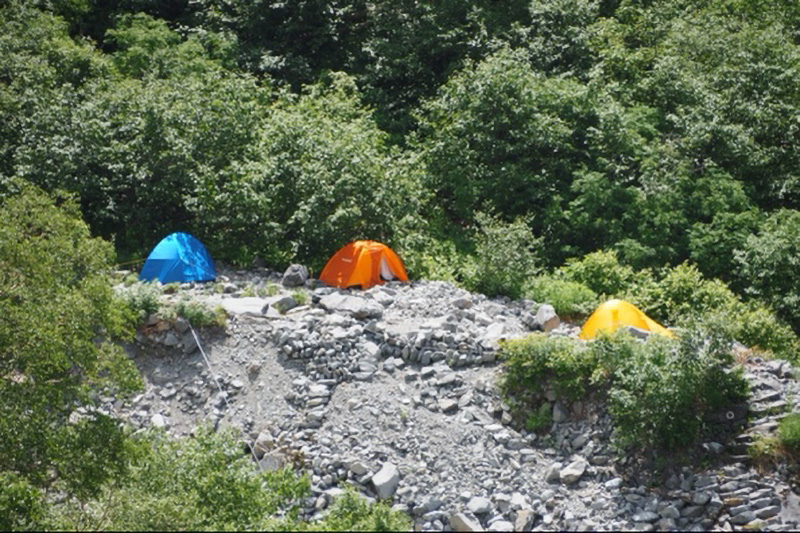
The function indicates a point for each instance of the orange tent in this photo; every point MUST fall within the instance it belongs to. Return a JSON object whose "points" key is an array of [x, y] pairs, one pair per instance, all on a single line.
{"points": [[364, 263], [615, 314]]}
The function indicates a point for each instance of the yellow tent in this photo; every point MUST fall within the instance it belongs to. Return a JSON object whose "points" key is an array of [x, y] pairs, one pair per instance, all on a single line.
{"points": [[614, 314]]}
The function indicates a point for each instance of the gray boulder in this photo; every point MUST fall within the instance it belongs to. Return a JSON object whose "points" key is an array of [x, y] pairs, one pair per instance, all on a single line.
{"points": [[386, 481], [462, 522], [295, 276], [546, 318], [479, 505], [573, 471], [284, 304]]}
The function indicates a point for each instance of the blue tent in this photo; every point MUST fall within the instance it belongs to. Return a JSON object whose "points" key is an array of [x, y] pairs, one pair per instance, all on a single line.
{"points": [[179, 257]]}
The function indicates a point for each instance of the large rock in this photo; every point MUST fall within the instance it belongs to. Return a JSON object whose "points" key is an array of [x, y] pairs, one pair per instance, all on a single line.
{"points": [[354, 306], [573, 471], [462, 522], [386, 480], [284, 304], [524, 520], [478, 505], [546, 318], [553, 474], [248, 305], [295, 276]]}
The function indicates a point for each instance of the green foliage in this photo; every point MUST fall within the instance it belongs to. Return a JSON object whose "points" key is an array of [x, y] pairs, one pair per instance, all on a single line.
{"points": [[506, 256], [713, 245], [682, 295], [198, 483], [21, 504], [300, 296], [567, 297], [789, 433], [503, 138], [601, 272], [142, 299], [270, 289], [147, 47], [351, 512], [199, 315], [539, 361], [56, 346], [321, 175], [539, 419], [769, 261], [659, 392]]}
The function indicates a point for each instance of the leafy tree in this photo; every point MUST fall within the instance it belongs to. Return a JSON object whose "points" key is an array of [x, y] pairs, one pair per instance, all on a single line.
{"points": [[769, 261], [146, 46], [59, 317], [320, 175], [136, 150], [506, 256], [37, 59], [198, 483]]}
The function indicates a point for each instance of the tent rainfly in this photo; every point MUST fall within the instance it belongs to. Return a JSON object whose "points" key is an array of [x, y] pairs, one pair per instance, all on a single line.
{"points": [[178, 257], [364, 263], [615, 314]]}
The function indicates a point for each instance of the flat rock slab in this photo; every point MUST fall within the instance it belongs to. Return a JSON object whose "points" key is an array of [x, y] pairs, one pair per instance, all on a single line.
{"points": [[354, 306], [250, 305]]}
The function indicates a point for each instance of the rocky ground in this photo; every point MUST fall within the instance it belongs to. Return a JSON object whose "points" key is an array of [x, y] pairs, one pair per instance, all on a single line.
{"points": [[393, 390]]}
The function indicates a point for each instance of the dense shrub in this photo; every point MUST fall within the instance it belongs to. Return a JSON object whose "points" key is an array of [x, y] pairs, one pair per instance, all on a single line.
{"points": [[537, 363], [789, 434], [204, 482], [769, 262], [659, 392], [351, 512], [682, 294], [601, 272], [566, 297], [505, 257], [142, 299]]}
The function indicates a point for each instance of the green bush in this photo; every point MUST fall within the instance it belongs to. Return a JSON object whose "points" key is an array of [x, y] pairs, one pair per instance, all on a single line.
{"points": [[789, 433], [659, 391], [21, 504], [300, 296], [539, 361], [759, 328], [198, 483], [601, 272], [199, 315], [505, 257], [142, 299], [682, 295], [58, 349], [566, 297], [769, 262], [539, 419], [351, 512]]}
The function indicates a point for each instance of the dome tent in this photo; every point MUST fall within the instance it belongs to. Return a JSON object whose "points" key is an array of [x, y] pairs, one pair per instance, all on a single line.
{"points": [[615, 314], [178, 257], [364, 263]]}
